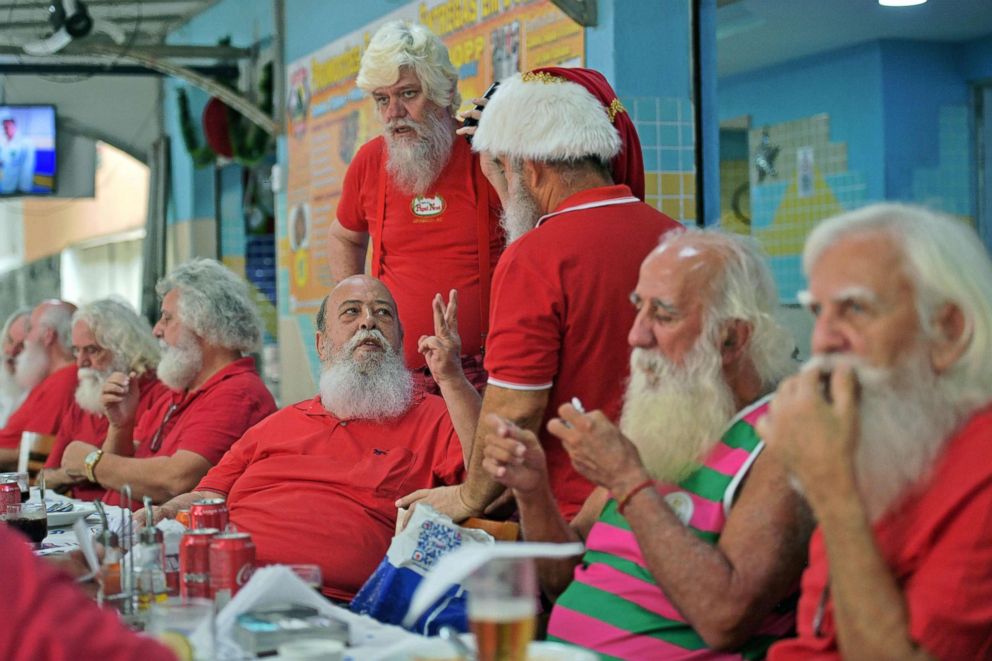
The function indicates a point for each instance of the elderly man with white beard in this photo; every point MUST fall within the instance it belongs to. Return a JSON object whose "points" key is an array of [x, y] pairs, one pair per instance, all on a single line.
{"points": [[887, 434], [694, 540], [419, 193], [12, 339], [315, 482], [44, 367], [107, 336], [208, 323]]}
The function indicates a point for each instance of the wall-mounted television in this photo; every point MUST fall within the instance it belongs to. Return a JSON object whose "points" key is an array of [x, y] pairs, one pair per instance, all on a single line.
{"points": [[27, 150]]}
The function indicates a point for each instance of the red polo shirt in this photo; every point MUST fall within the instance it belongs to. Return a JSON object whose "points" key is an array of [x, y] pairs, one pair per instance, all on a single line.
{"points": [[312, 488], [44, 408], [560, 312], [80, 425], [46, 616], [206, 421]]}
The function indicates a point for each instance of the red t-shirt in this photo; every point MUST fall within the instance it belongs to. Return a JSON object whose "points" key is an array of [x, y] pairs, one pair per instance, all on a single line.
{"points": [[427, 248], [938, 546], [206, 421], [43, 409], [312, 488], [560, 312], [46, 616], [80, 425]]}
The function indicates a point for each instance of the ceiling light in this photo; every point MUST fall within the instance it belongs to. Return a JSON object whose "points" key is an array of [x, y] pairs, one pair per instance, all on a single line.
{"points": [[900, 3]]}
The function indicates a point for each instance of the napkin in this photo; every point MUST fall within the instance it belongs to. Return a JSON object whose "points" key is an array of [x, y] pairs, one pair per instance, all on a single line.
{"points": [[457, 565], [278, 584]]}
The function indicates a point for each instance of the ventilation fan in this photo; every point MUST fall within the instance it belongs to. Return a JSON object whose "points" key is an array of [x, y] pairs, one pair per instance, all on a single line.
{"points": [[71, 20]]}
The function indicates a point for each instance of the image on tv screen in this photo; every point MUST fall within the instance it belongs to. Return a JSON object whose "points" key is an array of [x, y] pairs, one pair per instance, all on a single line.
{"points": [[27, 150]]}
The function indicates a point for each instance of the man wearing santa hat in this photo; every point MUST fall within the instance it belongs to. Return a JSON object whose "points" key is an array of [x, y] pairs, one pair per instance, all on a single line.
{"points": [[563, 154]]}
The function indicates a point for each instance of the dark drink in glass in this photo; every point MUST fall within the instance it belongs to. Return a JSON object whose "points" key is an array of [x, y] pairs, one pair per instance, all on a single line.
{"points": [[36, 528]]}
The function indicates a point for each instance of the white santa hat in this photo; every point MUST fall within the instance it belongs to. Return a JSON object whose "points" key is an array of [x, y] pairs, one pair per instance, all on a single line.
{"points": [[542, 117]]}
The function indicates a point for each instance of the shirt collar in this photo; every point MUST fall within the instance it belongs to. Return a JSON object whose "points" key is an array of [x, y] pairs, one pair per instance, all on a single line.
{"points": [[592, 197]]}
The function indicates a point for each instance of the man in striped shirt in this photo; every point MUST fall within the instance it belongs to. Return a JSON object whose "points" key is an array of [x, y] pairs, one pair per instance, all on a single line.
{"points": [[695, 541]]}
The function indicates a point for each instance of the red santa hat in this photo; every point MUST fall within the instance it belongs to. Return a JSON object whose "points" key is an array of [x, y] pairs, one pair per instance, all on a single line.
{"points": [[554, 114]]}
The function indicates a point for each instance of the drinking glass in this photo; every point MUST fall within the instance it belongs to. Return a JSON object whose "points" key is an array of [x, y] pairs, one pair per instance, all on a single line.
{"points": [[502, 607], [30, 518], [184, 625]]}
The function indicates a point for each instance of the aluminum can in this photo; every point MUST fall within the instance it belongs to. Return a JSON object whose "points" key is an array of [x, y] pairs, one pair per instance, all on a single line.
{"points": [[209, 513], [232, 561], [194, 563], [10, 494]]}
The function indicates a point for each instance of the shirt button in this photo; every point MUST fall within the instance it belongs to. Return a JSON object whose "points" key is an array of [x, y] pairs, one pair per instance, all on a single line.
{"points": [[344, 423]]}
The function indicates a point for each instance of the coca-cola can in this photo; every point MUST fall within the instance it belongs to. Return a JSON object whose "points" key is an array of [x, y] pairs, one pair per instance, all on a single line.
{"points": [[232, 561], [209, 513], [194, 563], [10, 494]]}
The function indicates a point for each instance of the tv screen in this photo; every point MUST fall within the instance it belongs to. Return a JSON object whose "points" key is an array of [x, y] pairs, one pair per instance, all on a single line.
{"points": [[27, 150]]}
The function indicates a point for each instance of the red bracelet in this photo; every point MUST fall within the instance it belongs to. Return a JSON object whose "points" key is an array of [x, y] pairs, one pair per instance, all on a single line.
{"points": [[633, 492]]}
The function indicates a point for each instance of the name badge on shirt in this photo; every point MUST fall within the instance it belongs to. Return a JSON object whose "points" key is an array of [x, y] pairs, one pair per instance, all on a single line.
{"points": [[681, 504], [428, 209]]}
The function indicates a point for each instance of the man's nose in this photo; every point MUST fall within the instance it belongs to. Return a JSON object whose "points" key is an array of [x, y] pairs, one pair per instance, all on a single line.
{"points": [[827, 336], [640, 335], [368, 320], [395, 109]]}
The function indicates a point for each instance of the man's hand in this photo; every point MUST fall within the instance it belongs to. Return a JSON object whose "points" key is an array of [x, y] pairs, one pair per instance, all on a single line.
{"points": [[61, 480], [443, 350], [815, 438], [74, 456], [473, 113], [598, 450], [159, 512], [514, 457], [120, 398], [446, 500]]}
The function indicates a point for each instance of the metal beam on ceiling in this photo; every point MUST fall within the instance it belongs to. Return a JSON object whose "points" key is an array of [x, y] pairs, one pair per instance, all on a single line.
{"points": [[583, 12]]}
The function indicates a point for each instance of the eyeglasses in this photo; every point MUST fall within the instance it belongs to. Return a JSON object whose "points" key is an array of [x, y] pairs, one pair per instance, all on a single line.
{"points": [[821, 611], [160, 432]]}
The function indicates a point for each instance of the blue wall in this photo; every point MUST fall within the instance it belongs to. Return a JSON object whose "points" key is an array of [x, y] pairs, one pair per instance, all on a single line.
{"points": [[845, 83]]}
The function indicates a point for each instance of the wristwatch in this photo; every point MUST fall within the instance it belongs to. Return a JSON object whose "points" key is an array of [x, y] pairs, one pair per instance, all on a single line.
{"points": [[89, 464]]}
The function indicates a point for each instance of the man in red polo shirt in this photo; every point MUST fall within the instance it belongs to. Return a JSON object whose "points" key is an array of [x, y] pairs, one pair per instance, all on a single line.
{"points": [[107, 336], [887, 434], [208, 322], [46, 368], [316, 482], [563, 150], [420, 194]]}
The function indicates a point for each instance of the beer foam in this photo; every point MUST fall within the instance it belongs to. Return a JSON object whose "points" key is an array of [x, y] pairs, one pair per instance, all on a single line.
{"points": [[501, 610]]}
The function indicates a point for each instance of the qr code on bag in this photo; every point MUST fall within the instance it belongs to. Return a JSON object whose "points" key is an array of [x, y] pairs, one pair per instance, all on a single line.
{"points": [[434, 541]]}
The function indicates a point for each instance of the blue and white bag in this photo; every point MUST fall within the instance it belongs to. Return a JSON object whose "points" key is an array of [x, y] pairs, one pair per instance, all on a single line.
{"points": [[412, 553]]}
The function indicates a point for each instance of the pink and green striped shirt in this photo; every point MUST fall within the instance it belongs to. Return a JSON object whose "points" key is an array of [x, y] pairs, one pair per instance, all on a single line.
{"points": [[615, 608]]}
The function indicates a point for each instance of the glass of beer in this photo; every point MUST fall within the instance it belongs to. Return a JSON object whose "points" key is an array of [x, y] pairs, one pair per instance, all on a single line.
{"points": [[502, 607]]}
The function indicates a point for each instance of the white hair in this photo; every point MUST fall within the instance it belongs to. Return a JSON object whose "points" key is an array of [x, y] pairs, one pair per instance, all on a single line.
{"points": [[947, 264], [745, 290], [215, 304], [400, 44], [117, 327], [58, 317], [11, 320]]}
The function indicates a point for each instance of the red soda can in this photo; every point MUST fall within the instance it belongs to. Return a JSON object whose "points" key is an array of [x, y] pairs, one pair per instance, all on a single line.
{"points": [[232, 561], [10, 494], [194, 563], [209, 513]]}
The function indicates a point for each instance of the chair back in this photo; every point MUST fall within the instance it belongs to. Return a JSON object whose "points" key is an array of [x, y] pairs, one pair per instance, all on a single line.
{"points": [[502, 531], [34, 450]]}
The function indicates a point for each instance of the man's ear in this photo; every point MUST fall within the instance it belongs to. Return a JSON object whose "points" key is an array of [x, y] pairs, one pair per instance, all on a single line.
{"points": [[320, 345], [534, 173], [952, 337], [734, 340]]}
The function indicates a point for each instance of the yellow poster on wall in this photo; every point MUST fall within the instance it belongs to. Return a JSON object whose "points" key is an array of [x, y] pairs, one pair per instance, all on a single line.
{"points": [[329, 118]]}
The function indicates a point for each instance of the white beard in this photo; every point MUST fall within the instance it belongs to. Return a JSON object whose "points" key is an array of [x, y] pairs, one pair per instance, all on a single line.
{"points": [[905, 419], [32, 365], [90, 388], [377, 387], [180, 364], [10, 389], [415, 164], [520, 215], [675, 415]]}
